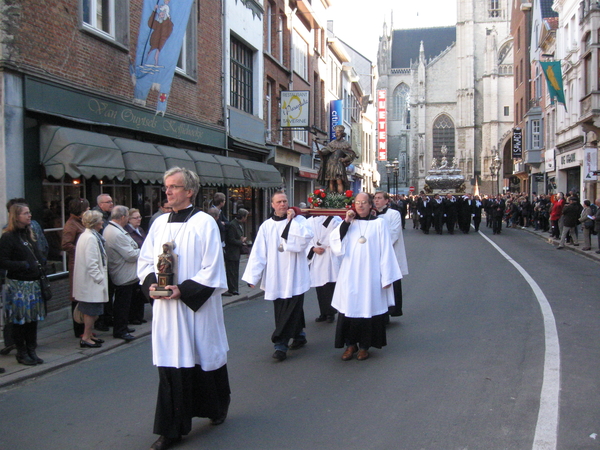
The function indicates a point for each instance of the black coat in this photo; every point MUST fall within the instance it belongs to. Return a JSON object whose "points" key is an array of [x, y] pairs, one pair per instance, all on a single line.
{"points": [[233, 240], [16, 257]]}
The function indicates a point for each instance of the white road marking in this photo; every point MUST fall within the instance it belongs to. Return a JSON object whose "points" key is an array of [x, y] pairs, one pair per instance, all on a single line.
{"points": [[547, 423]]}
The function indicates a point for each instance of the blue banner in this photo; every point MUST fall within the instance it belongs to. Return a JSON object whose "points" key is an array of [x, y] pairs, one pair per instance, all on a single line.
{"points": [[162, 29], [336, 111]]}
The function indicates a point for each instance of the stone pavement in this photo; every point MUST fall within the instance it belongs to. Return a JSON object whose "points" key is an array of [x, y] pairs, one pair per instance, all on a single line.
{"points": [[58, 347]]}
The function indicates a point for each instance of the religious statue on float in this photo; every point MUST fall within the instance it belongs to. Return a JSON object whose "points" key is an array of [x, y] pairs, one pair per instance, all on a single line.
{"points": [[335, 158]]}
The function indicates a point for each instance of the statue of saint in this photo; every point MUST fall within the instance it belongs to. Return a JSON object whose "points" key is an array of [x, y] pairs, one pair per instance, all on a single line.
{"points": [[165, 260], [334, 159]]}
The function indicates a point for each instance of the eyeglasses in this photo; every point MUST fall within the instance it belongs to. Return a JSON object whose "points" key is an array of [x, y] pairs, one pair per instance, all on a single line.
{"points": [[135, 217], [171, 187], [362, 202]]}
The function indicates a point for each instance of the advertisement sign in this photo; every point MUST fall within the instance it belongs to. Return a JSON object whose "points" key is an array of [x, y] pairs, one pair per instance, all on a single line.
{"points": [[517, 144], [336, 109], [590, 164], [381, 125], [295, 106], [549, 163]]}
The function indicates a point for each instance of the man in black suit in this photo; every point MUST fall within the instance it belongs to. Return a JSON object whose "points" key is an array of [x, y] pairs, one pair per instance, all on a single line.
{"points": [[437, 213], [450, 212], [424, 211], [234, 241], [476, 211], [465, 212]]}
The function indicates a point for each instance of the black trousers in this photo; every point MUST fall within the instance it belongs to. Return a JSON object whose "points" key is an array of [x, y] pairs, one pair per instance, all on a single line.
{"points": [[121, 305], [232, 269], [184, 393], [324, 296], [289, 318]]}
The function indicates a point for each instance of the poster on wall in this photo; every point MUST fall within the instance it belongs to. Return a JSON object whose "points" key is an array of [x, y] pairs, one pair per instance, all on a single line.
{"points": [[590, 164]]}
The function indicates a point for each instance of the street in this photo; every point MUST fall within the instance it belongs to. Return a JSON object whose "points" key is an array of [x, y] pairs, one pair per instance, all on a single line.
{"points": [[464, 367]]}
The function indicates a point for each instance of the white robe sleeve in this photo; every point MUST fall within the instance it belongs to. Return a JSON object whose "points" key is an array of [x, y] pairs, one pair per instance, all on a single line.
{"points": [[388, 264], [299, 237], [257, 259]]}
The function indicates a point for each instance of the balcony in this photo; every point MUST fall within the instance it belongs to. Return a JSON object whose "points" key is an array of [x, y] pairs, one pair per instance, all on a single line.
{"points": [[590, 107]]}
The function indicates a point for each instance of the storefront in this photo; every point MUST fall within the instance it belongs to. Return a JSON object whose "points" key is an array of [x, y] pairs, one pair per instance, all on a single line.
{"points": [[78, 145], [568, 170]]}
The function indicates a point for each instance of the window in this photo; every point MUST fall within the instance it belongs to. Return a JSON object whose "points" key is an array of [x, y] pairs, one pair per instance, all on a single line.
{"points": [[269, 46], [300, 63], [108, 19], [506, 111], [401, 105], [300, 136], [269, 107], [536, 135], [443, 134], [494, 8], [241, 76], [538, 83], [186, 64], [589, 74], [280, 39]]}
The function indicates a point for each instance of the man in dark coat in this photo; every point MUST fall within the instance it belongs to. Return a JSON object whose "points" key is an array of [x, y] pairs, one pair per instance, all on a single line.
{"points": [[570, 213], [450, 212], [234, 241], [424, 212], [437, 213]]}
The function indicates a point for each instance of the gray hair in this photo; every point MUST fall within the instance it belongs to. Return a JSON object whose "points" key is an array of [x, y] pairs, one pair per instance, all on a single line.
{"points": [[214, 211], [91, 218], [191, 181], [241, 213], [119, 212]]}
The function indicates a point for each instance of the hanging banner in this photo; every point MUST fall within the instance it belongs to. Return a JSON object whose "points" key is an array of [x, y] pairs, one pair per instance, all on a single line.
{"points": [[553, 73], [381, 125], [162, 30], [336, 109], [590, 163], [295, 106], [517, 143]]}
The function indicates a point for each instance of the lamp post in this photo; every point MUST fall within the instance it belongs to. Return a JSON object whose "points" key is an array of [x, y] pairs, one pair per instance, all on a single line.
{"points": [[388, 168], [396, 164]]}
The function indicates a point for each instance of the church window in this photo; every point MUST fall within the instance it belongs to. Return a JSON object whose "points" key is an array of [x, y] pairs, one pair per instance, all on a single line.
{"points": [[443, 135], [494, 8], [401, 105]]}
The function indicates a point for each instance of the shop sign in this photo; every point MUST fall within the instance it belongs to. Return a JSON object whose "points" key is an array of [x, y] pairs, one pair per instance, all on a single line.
{"points": [[517, 143], [381, 125], [295, 106], [590, 164]]}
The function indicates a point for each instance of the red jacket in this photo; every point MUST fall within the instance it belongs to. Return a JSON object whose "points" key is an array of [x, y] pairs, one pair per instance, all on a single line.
{"points": [[557, 209]]}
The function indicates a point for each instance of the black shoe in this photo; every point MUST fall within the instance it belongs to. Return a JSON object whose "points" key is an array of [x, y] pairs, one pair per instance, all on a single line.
{"points": [[6, 350], [330, 319], [220, 419], [2, 370], [85, 344], [163, 443], [125, 336], [97, 340], [130, 330], [35, 357], [236, 293], [24, 358], [227, 294], [321, 318], [279, 355], [298, 343], [135, 322], [100, 326]]}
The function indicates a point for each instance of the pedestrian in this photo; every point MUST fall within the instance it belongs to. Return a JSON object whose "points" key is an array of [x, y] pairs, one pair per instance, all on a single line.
{"points": [[497, 207], [381, 202], [278, 258], [597, 222], [477, 206], [137, 233], [189, 342], [122, 253], [437, 213], [105, 205], [556, 216], [364, 291], [71, 231], [164, 208], [90, 278], [588, 224], [22, 294], [424, 211], [234, 242], [323, 264], [570, 214], [450, 212]]}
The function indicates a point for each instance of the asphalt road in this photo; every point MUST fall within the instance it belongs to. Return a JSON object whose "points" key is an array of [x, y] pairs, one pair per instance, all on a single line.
{"points": [[463, 368]]}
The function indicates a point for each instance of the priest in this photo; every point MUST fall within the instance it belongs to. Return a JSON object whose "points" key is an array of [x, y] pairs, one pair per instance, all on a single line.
{"points": [[394, 222], [189, 343], [363, 292], [323, 264], [278, 258]]}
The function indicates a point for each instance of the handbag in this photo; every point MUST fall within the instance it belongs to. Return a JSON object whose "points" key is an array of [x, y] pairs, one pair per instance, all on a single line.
{"points": [[589, 224], [77, 314], [44, 281]]}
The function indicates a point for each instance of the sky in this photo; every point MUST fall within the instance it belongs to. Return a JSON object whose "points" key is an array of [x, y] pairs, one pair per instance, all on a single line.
{"points": [[359, 23]]}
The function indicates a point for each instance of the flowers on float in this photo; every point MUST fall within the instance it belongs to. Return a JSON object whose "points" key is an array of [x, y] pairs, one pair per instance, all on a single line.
{"points": [[321, 198]]}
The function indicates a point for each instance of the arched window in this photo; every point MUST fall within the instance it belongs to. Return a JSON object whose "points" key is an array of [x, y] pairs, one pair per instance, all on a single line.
{"points": [[443, 134], [401, 105]]}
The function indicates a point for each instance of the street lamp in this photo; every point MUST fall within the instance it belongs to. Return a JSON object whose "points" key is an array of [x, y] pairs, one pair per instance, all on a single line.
{"points": [[396, 165], [388, 168]]}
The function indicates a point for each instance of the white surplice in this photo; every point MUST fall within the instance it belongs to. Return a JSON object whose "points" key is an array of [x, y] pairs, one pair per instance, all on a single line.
{"points": [[281, 274], [323, 268], [365, 269], [394, 221], [180, 336]]}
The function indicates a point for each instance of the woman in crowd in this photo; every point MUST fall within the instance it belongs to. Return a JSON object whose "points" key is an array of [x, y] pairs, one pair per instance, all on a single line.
{"points": [[20, 256], [588, 224], [137, 233], [90, 280], [71, 232]]}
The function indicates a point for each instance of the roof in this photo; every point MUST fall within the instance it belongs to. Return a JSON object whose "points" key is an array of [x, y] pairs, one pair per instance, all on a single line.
{"points": [[546, 7], [406, 44]]}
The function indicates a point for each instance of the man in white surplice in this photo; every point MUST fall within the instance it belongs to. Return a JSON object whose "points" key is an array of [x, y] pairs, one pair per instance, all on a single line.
{"points": [[189, 343], [323, 264], [394, 221], [278, 258], [363, 292]]}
